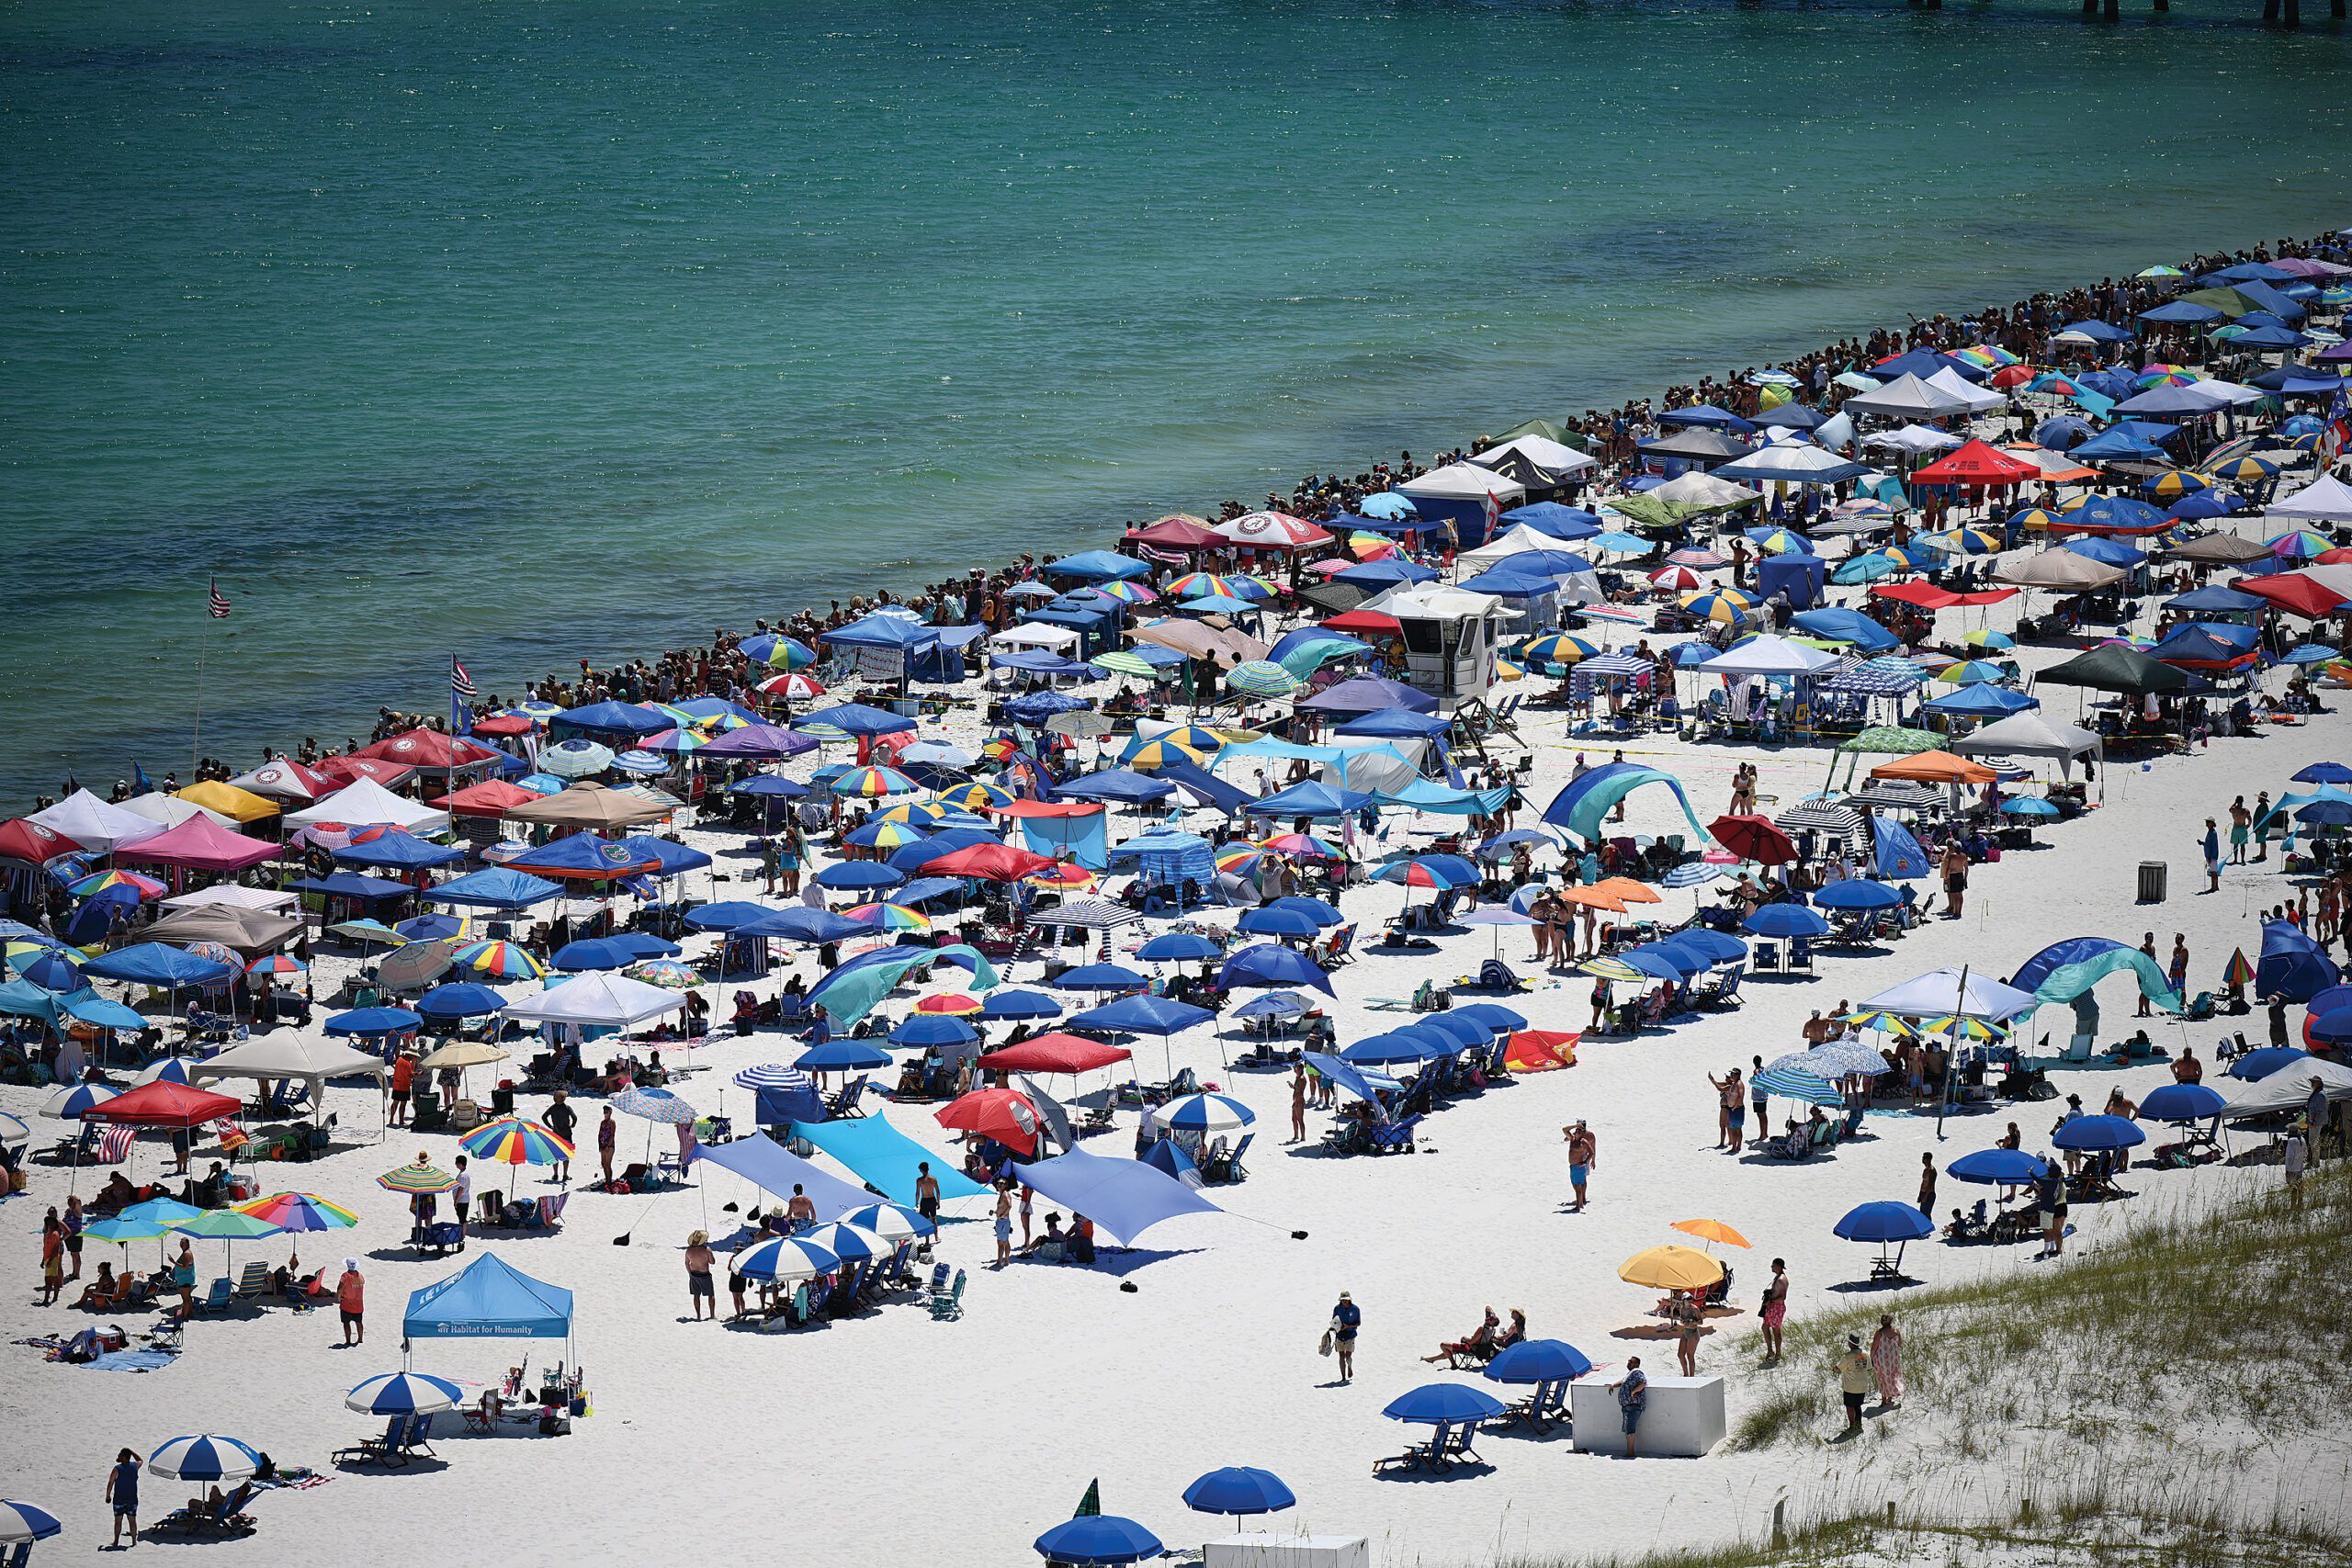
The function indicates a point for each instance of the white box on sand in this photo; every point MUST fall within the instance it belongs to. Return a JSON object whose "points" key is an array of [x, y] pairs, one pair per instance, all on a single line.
{"points": [[1683, 1419], [1263, 1551]]}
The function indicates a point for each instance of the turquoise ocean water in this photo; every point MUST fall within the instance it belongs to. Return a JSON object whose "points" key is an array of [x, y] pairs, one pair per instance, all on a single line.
{"points": [[530, 329]]}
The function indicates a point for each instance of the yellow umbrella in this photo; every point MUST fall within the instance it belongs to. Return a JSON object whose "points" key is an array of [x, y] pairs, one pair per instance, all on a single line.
{"points": [[1713, 1230], [1670, 1267]]}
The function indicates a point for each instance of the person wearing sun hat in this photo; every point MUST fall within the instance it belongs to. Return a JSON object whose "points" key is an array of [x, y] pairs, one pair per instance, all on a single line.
{"points": [[1346, 1319]]}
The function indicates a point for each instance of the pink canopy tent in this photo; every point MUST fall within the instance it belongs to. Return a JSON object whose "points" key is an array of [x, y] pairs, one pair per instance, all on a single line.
{"points": [[199, 844]]}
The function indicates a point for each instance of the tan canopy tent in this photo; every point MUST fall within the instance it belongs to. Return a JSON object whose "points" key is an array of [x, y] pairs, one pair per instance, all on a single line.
{"points": [[287, 1054], [588, 804], [250, 931]]}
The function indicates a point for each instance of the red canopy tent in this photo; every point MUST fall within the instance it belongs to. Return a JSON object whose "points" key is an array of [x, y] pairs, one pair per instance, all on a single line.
{"points": [[1178, 532], [492, 797], [27, 840], [1054, 1052], [199, 844], [351, 770], [2294, 593], [1358, 621], [163, 1104], [1977, 465]]}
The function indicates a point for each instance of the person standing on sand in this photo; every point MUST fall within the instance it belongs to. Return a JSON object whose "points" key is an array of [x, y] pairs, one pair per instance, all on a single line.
{"points": [[351, 1302], [1886, 1363], [608, 1133], [1584, 1153], [561, 1119], [926, 1192], [1347, 1318], [1955, 873], [2177, 973], [700, 1261], [1690, 1314], [2298, 1159], [1298, 1103], [1927, 1184], [122, 1495], [2241, 821], [1854, 1381], [2211, 847], [1633, 1392], [1733, 1094], [1776, 1309], [1003, 1223], [2148, 952]]}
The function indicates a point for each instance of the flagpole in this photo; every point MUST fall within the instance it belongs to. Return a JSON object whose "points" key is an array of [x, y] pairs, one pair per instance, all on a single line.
{"points": [[203, 633]]}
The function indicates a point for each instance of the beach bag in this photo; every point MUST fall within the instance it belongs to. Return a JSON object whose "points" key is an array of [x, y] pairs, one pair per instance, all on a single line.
{"points": [[1325, 1348]]}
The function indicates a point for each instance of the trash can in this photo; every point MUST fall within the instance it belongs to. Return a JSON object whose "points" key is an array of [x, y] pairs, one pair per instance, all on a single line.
{"points": [[2152, 881]]}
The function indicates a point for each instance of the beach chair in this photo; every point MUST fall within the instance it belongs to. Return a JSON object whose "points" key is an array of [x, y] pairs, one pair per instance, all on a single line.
{"points": [[418, 1439], [844, 1104], [384, 1451], [550, 1213], [1393, 1137], [1726, 993], [225, 1517], [218, 1298], [948, 1304], [1800, 955], [253, 1283], [1335, 949]]}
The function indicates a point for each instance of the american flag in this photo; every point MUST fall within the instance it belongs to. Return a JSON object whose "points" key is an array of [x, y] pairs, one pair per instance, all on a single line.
{"points": [[114, 1143], [1494, 515], [219, 605], [461, 684]]}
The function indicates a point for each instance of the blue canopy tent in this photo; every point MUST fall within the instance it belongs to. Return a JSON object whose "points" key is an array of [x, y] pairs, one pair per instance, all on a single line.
{"points": [[609, 720], [351, 885], [1312, 798], [489, 1299], [587, 856], [1582, 807], [1801, 576], [400, 849], [1125, 1198], [885, 1159], [154, 963], [497, 888], [1370, 693], [1566, 522]]}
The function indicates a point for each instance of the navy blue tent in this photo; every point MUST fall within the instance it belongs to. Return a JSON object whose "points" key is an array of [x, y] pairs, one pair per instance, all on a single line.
{"points": [[1312, 798], [1395, 724], [580, 854], [1142, 1014], [600, 721], [400, 849], [497, 888], [1270, 963], [2214, 599], [674, 857], [1895, 853], [803, 925], [855, 718], [2182, 312], [350, 884]]}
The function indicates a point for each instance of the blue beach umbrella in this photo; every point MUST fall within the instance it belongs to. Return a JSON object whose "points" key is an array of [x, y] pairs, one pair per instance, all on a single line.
{"points": [[402, 1393], [841, 1056], [1239, 1489], [24, 1521], [1178, 947], [2257, 1064], [1098, 977], [2097, 1133], [1204, 1113], [928, 1029], [1794, 1083], [1436, 1404], [1883, 1222], [1005, 1007], [2182, 1102], [204, 1457], [786, 1259], [1396, 1047], [890, 1222], [1998, 1168], [1097, 1538], [856, 876], [1856, 893], [1539, 1362], [1273, 922], [1270, 964], [1785, 920]]}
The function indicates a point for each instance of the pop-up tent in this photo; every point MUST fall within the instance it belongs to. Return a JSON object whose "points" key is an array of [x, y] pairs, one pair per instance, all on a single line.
{"points": [[363, 803], [597, 1001], [885, 1159], [489, 1299], [776, 1170], [1125, 1198], [286, 1054]]}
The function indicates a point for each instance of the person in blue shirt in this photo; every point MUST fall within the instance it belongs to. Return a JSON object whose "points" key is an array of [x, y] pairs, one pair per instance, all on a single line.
{"points": [[122, 1494], [1346, 1319], [2213, 856]]}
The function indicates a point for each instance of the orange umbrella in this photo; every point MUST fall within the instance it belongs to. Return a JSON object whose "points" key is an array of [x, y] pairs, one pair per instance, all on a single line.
{"points": [[1628, 890], [1713, 1230], [1596, 896]]}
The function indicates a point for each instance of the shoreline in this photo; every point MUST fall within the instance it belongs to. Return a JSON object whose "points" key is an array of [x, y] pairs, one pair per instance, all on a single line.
{"points": [[1939, 330]]}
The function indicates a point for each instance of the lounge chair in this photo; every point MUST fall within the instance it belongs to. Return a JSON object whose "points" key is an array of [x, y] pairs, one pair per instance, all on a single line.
{"points": [[225, 1517], [948, 1304], [253, 1283], [218, 1298], [391, 1449]]}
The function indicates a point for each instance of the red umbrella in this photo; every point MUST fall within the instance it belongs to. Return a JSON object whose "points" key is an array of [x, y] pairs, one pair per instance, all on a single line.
{"points": [[1056, 1052], [26, 839], [1753, 837], [999, 1113], [163, 1104], [989, 863]]}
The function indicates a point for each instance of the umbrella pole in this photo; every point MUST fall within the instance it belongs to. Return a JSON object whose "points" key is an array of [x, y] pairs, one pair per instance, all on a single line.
{"points": [[1951, 1048]]}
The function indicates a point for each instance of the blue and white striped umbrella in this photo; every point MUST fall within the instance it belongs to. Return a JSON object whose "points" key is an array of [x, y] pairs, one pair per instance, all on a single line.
{"points": [[890, 1222], [68, 1103], [850, 1243], [205, 1456], [774, 1075], [164, 1069], [22, 1521], [1843, 1058], [1204, 1113], [404, 1393], [13, 1133], [1794, 1083], [786, 1259], [1695, 874]]}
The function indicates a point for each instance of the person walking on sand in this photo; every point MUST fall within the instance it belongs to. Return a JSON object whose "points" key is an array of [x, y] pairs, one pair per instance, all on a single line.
{"points": [[1584, 1153], [1854, 1381], [1775, 1310], [1347, 1318], [1633, 1392], [1732, 1094], [2297, 1160], [2211, 847], [1298, 1103], [1886, 1362], [351, 1304], [926, 1192], [122, 1495]]}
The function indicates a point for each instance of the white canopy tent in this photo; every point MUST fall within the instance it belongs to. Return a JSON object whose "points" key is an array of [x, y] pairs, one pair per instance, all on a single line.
{"points": [[1034, 633], [286, 1054], [1693, 488], [1768, 655], [601, 1000], [363, 803], [96, 824], [1977, 399], [1905, 397], [171, 810], [2029, 734], [1466, 481], [2289, 1088], [1946, 993], [231, 896], [2327, 499], [1914, 439], [1535, 458]]}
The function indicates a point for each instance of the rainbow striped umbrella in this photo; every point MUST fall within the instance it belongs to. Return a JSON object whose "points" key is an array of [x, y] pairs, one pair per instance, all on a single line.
{"points": [[276, 963], [885, 835], [1972, 672], [1301, 844], [1725, 606], [950, 1004], [1001, 748], [300, 1212], [217, 953], [1238, 860], [1988, 639], [1133, 592], [2159, 374], [1978, 1029], [1192, 585], [1162, 750], [890, 917], [2298, 544], [499, 959], [513, 1140], [100, 881], [2246, 471], [1781, 542], [2177, 484], [1885, 1023], [419, 1176], [782, 653], [2239, 971], [1558, 647], [870, 783]]}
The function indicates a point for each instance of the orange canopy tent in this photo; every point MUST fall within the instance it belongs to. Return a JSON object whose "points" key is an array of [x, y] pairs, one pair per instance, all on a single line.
{"points": [[1935, 767]]}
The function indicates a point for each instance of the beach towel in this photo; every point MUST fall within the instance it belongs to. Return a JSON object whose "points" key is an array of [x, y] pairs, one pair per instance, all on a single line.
{"points": [[133, 1361]]}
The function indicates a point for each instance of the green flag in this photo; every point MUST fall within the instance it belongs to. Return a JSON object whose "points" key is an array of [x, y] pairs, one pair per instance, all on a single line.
{"points": [[1091, 1505]]}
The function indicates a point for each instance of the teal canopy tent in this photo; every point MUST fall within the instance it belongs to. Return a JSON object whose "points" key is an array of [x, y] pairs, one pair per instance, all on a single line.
{"points": [[885, 1159], [854, 989], [1584, 806], [2068, 981], [489, 1299]]}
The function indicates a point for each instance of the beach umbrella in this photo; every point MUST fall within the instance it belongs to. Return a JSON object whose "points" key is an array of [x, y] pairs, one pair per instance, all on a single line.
{"points": [[1883, 1221], [785, 1261], [841, 1056], [1097, 977], [857, 875], [2097, 1133], [2259, 1063], [648, 1103], [1987, 639], [1446, 1404], [1998, 1168], [204, 1457], [575, 759], [1725, 606], [24, 1522], [1261, 678], [226, 1226], [1839, 1059], [13, 1133], [1676, 578], [67, 1104], [850, 1243], [1203, 1114], [141, 884], [925, 813], [499, 959], [1179, 947], [1493, 1017], [1539, 1362], [1093, 1540], [1711, 1231], [1304, 845], [1792, 1083], [2176, 485], [300, 1212], [774, 1075], [510, 1139], [1784, 921], [1441, 871], [892, 1222], [1240, 1490], [404, 1393], [163, 1212], [2029, 805], [972, 796], [1276, 923], [2237, 972], [951, 1004], [1004, 1114], [1558, 647], [1615, 971], [882, 835], [2244, 470], [1012, 1006], [889, 917], [871, 782], [2182, 1102], [1858, 893], [1670, 1267]]}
